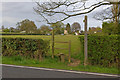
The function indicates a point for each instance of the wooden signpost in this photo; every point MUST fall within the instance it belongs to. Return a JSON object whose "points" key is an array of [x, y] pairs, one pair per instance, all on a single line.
{"points": [[85, 42], [53, 43]]}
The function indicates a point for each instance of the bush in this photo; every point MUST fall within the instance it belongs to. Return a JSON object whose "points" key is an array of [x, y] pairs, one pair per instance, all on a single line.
{"points": [[24, 47], [102, 50], [110, 28]]}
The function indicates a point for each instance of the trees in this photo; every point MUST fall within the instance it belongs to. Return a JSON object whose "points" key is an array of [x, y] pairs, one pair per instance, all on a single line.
{"points": [[12, 29], [44, 29], [65, 9], [27, 26], [111, 14], [110, 28], [3, 27], [76, 27], [58, 28], [68, 28], [6, 30]]}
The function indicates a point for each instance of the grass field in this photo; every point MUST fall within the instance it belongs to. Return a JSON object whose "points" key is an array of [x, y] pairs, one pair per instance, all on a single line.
{"points": [[75, 43]]}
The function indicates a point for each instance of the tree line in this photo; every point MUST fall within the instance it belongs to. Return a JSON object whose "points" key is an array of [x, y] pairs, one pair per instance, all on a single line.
{"points": [[111, 26], [28, 27], [109, 17]]}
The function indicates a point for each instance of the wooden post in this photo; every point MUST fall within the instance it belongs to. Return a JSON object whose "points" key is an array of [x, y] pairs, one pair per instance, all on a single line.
{"points": [[40, 57], [61, 57], [118, 12], [53, 43], [85, 42], [69, 51]]}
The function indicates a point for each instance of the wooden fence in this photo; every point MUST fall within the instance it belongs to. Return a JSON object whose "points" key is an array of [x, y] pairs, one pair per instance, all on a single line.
{"points": [[69, 48]]}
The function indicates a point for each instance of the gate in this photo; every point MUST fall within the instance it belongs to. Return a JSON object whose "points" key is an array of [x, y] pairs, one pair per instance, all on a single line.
{"points": [[69, 48]]}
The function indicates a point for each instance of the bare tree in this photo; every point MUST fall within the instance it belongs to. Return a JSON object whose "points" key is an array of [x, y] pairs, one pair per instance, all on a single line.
{"points": [[54, 12], [111, 13], [64, 9]]}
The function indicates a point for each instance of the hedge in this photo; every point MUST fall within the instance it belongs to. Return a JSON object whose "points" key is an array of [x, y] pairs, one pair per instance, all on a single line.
{"points": [[102, 50], [24, 47]]}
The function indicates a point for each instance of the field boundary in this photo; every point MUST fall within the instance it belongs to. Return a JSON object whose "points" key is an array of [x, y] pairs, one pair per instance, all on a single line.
{"points": [[60, 70]]}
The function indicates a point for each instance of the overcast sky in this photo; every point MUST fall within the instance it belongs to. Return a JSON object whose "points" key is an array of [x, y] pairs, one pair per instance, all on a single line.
{"points": [[13, 12]]}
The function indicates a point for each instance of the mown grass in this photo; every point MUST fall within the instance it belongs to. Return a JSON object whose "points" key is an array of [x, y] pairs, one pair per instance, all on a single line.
{"points": [[55, 63]]}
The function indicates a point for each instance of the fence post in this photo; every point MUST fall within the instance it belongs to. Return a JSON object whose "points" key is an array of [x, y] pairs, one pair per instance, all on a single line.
{"points": [[85, 42], [40, 56], [69, 51], [53, 43]]}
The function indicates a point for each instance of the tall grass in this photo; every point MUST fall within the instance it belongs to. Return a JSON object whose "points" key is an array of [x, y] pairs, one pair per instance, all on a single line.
{"points": [[55, 63]]}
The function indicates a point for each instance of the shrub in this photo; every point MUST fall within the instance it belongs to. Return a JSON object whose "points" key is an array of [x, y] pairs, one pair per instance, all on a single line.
{"points": [[24, 47], [102, 50]]}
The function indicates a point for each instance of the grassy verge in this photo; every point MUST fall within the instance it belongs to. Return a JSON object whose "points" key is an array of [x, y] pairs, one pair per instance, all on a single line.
{"points": [[55, 63]]}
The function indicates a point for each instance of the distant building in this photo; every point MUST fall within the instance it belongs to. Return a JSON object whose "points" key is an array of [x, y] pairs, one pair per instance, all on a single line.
{"points": [[65, 32], [76, 33], [23, 32], [93, 30]]}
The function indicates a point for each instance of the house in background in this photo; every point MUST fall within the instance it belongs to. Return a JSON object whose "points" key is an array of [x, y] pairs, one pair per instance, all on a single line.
{"points": [[65, 32], [76, 28], [23, 32], [94, 30]]}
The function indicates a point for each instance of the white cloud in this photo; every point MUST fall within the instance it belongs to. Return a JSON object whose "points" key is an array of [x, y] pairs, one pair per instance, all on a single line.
{"points": [[113, 0], [0, 6], [28, 0], [0, 14], [17, 0], [14, 12], [0, 22], [10, 19]]}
